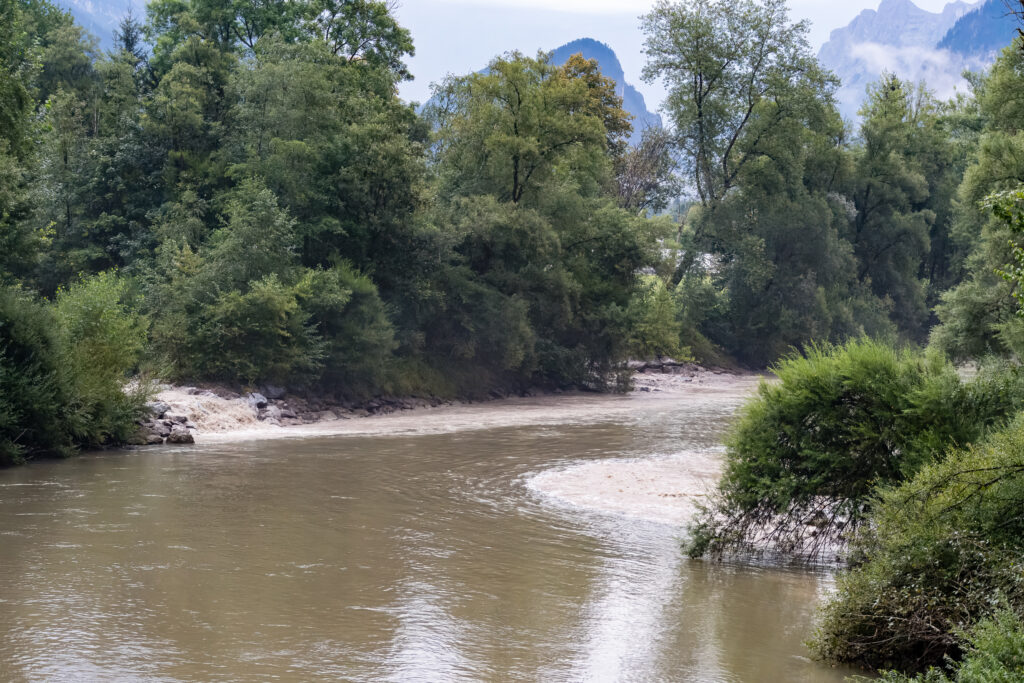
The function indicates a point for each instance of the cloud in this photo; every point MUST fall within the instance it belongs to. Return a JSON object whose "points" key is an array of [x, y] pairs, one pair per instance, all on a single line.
{"points": [[941, 70]]}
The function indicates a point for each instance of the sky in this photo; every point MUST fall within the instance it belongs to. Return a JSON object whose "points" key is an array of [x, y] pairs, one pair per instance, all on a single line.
{"points": [[460, 36]]}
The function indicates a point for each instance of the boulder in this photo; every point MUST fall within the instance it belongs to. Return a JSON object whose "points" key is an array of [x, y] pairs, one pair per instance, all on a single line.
{"points": [[176, 419], [257, 400], [180, 435], [158, 409], [270, 413]]}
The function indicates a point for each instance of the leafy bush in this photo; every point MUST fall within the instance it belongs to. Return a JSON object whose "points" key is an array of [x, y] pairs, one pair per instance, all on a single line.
{"points": [[809, 451], [348, 314], [260, 335], [63, 369], [31, 394], [941, 553], [101, 338], [654, 328], [994, 654]]}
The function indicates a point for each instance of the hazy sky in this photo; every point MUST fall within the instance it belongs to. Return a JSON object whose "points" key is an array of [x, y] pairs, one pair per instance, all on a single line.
{"points": [[463, 35]]}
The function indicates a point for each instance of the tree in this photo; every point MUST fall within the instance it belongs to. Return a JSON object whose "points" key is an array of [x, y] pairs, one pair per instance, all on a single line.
{"points": [[722, 60], [977, 315], [362, 30], [504, 131], [645, 174], [894, 219]]}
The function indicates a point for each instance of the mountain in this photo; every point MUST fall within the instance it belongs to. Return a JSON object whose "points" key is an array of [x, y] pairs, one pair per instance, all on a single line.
{"points": [[984, 31], [632, 100], [899, 37]]}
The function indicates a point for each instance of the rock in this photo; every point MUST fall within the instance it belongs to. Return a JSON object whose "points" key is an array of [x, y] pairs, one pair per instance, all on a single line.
{"points": [[324, 415], [154, 439], [288, 414], [159, 427], [158, 409], [270, 414], [274, 392], [139, 438], [176, 419], [180, 435], [257, 400]]}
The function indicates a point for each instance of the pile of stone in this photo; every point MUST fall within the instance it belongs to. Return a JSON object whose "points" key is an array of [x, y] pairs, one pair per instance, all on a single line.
{"points": [[665, 366], [162, 427]]}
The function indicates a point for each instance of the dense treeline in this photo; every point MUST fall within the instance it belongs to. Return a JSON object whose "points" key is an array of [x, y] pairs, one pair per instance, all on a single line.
{"points": [[273, 212]]}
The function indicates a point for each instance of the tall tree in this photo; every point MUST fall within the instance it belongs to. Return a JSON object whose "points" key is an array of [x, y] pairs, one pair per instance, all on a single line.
{"points": [[734, 71]]}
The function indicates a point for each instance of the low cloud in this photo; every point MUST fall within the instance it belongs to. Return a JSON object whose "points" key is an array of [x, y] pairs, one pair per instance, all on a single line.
{"points": [[941, 70]]}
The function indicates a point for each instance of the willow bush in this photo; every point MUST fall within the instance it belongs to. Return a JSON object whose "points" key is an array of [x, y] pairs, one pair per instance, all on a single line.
{"points": [[809, 451], [63, 369], [941, 553]]}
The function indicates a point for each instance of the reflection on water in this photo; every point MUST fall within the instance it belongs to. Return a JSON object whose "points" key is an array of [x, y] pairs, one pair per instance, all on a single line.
{"points": [[387, 554]]}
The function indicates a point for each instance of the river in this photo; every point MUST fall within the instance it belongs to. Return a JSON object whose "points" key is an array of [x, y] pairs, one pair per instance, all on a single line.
{"points": [[426, 546]]}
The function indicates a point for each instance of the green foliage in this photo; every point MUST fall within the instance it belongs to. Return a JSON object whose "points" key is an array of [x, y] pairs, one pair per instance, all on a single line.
{"points": [[654, 327], [977, 315], [262, 334], [101, 337], [64, 368], [31, 391], [942, 553], [511, 130], [723, 62], [891, 194], [347, 313], [807, 455], [994, 653]]}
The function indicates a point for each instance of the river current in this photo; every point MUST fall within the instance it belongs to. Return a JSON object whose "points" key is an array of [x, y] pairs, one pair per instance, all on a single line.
{"points": [[415, 547]]}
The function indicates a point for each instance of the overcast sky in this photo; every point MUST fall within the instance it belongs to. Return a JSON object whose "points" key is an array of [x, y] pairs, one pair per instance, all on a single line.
{"points": [[460, 36]]}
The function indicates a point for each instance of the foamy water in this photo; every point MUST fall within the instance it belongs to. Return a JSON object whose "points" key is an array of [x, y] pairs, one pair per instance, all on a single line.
{"points": [[665, 490], [211, 413]]}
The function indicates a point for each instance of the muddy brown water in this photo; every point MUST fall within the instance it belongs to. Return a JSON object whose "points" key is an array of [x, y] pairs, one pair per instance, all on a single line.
{"points": [[405, 548]]}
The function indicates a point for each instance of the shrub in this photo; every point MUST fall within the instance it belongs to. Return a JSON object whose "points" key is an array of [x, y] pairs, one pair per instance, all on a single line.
{"points": [[654, 329], [348, 314], [31, 395], [63, 369], [809, 451], [260, 335], [942, 552], [994, 653], [101, 338]]}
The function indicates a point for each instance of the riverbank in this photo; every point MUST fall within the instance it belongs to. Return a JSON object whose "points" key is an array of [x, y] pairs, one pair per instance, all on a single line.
{"points": [[184, 415]]}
